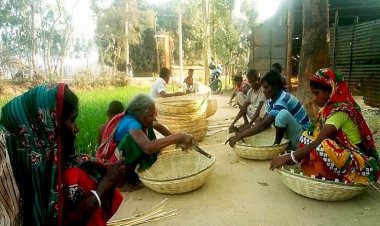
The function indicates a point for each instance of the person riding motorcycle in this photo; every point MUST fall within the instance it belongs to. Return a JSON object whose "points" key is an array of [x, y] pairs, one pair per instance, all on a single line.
{"points": [[214, 82]]}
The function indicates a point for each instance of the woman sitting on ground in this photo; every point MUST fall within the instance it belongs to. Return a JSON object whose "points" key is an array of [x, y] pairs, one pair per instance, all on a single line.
{"points": [[136, 140], [283, 110], [339, 145], [56, 186]]}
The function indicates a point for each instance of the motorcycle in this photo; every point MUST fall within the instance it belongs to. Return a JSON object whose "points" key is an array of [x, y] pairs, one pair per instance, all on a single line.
{"points": [[214, 82]]}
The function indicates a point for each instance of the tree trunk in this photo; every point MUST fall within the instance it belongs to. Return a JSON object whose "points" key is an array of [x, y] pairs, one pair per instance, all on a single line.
{"points": [[126, 38], [314, 49], [251, 50], [33, 40], [206, 29], [290, 46]]}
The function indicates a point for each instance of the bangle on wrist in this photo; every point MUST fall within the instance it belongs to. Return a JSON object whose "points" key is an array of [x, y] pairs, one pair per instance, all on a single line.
{"points": [[97, 197], [293, 157]]}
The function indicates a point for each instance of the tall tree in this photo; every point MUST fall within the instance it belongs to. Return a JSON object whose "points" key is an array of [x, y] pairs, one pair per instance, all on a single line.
{"points": [[34, 28], [247, 26], [314, 49], [111, 30]]}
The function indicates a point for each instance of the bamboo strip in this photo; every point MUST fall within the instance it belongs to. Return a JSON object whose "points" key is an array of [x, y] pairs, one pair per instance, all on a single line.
{"points": [[155, 213]]}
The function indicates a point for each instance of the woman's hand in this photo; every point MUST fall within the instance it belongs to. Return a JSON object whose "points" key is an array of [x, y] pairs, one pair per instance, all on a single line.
{"points": [[232, 140], [233, 129], [280, 161], [187, 141], [114, 177]]}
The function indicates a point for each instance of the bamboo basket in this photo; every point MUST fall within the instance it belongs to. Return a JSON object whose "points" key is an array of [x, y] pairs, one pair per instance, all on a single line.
{"points": [[190, 103], [177, 172], [181, 120], [186, 123], [320, 189], [198, 132], [212, 107], [259, 146]]}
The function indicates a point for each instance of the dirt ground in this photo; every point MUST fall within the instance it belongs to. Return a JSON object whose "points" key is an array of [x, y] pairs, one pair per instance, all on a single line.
{"points": [[246, 192]]}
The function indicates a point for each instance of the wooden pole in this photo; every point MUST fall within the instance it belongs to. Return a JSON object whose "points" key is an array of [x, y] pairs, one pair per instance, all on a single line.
{"points": [[126, 39], [290, 45]]}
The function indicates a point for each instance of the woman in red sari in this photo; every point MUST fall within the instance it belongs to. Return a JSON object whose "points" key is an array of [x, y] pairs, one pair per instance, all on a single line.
{"points": [[339, 145], [56, 186]]}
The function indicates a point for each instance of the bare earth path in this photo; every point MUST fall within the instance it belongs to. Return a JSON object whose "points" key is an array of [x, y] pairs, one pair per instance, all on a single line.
{"points": [[244, 192]]}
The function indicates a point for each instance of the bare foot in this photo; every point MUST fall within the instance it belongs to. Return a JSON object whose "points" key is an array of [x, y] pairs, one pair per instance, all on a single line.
{"points": [[127, 187]]}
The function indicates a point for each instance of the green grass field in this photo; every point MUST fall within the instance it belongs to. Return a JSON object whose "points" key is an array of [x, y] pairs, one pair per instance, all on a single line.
{"points": [[93, 105]]}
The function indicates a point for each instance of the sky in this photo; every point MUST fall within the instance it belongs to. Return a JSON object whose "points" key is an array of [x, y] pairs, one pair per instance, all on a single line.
{"points": [[83, 20], [266, 9]]}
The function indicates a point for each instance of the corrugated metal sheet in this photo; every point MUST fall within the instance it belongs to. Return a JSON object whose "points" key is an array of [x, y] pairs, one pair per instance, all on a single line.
{"points": [[269, 47], [357, 56]]}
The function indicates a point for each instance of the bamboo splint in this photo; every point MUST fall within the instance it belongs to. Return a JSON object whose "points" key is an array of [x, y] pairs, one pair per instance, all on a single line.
{"points": [[155, 213]]}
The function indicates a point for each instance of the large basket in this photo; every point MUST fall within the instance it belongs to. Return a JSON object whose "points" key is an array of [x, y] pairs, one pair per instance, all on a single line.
{"points": [[320, 189], [191, 103], [186, 123], [259, 146], [180, 120], [212, 107], [177, 172]]}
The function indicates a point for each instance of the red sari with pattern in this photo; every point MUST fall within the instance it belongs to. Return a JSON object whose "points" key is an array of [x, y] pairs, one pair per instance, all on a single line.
{"points": [[338, 158], [79, 181]]}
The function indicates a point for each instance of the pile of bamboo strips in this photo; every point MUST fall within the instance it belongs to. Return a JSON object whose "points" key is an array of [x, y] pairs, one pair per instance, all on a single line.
{"points": [[156, 213]]}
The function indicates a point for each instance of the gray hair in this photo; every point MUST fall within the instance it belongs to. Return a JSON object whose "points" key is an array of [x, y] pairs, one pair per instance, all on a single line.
{"points": [[140, 105]]}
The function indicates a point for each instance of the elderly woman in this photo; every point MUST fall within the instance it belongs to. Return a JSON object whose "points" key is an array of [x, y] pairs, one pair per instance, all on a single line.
{"points": [[339, 145], [56, 186], [135, 138]]}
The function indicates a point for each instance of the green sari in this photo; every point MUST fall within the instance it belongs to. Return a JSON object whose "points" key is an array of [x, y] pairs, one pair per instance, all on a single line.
{"points": [[34, 147]]}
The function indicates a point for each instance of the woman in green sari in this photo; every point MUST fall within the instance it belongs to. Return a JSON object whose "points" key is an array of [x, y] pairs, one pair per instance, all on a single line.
{"points": [[56, 186]]}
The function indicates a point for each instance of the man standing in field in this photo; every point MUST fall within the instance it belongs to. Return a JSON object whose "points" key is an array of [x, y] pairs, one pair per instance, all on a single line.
{"points": [[158, 88]]}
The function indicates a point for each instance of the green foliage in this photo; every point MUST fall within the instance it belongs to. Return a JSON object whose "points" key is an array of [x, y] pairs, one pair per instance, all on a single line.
{"points": [[143, 55], [93, 105], [111, 33], [35, 28]]}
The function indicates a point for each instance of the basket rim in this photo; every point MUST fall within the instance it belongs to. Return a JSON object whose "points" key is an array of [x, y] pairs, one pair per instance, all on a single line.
{"points": [[285, 172], [284, 142], [213, 158]]}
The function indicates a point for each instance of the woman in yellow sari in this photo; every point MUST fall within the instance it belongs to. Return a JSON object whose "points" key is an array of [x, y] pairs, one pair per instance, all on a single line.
{"points": [[339, 145]]}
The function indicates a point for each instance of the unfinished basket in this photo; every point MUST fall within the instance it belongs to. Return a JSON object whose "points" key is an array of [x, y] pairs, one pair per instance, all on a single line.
{"points": [[191, 103], [212, 107], [259, 146], [181, 119], [186, 123], [320, 189], [177, 172]]}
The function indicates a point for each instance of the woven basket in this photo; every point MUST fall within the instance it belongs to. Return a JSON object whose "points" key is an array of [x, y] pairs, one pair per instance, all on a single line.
{"points": [[212, 107], [315, 188], [186, 123], [191, 103], [181, 120], [198, 132], [177, 172], [259, 146]]}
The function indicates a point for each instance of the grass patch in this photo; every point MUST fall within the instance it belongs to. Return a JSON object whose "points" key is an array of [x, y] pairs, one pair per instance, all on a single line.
{"points": [[93, 105]]}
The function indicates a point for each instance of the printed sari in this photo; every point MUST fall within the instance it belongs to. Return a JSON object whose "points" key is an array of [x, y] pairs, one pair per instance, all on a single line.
{"points": [[338, 158], [32, 124]]}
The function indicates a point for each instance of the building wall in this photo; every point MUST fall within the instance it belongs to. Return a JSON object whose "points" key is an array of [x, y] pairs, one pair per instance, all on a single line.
{"points": [[269, 47], [355, 52]]}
